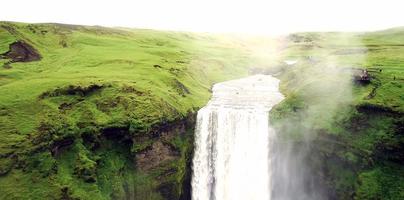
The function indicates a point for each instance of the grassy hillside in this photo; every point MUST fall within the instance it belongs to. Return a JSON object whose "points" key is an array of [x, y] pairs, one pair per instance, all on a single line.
{"points": [[354, 127], [102, 113], [75, 123]]}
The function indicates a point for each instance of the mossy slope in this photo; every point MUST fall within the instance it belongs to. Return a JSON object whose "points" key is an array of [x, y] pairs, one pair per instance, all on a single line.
{"points": [[73, 123], [78, 123], [354, 128]]}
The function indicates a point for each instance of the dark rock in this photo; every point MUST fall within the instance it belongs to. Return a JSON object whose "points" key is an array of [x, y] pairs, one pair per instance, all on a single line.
{"points": [[57, 146], [376, 109], [156, 155], [66, 194], [91, 141], [115, 133], [21, 51], [167, 190], [361, 76], [78, 90]]}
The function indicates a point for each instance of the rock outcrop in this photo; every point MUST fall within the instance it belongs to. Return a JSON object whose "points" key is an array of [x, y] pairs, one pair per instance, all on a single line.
{"points": [[21, 51]]}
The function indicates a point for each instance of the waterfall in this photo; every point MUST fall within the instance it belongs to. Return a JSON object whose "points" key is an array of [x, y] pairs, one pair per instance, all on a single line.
{"points": [[233, 140]]}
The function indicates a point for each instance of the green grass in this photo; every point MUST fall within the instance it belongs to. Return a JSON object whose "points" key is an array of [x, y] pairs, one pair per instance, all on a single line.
{"points": [[381, 183], [92, 78], [119, 59], [353, 128]]}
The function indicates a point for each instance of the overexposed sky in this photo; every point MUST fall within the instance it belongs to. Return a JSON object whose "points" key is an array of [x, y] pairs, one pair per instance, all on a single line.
{"points": [[244, 16]]}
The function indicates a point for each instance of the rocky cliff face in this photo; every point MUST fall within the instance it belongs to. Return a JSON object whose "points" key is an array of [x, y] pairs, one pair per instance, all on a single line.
{"points": [[168, 154], [21, 51], [161, 157], [118, 163], [363, 160]]}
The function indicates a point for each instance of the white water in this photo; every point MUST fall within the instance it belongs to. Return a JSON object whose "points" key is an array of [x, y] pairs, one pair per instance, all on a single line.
{"points": [[233, 141], [290, 62]]}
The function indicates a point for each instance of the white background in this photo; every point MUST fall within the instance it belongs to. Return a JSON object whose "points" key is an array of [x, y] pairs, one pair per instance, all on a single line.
{"points": [[246, 16]]}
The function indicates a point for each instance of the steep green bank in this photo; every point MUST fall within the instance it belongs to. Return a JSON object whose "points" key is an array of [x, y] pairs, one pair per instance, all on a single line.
{"points": [[100, 113], [350, 119]]}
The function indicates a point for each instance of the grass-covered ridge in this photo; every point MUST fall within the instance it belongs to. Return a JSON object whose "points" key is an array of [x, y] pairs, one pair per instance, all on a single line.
{"points": [[107, 113], [95, 88], [355, 127]]}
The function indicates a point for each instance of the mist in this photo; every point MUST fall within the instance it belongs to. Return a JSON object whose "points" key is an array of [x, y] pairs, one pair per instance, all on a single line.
{"points": [[325, 81], [316, 71]]}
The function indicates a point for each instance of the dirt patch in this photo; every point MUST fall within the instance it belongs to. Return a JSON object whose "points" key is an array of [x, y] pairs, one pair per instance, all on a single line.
{"points": [[78, 90], [21, 51]]}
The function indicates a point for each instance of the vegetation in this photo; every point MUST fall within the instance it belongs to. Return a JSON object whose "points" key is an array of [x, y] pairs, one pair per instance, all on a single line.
{"points": [[355, 127], [108, 113], [73, 123]]}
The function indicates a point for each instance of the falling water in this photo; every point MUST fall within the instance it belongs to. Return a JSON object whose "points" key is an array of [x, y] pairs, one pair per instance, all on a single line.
{"points": [[233, 141]]}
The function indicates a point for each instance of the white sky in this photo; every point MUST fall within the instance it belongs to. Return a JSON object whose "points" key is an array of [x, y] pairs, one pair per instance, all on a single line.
{"points": [[245, 16]]}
